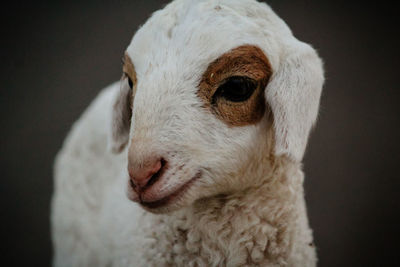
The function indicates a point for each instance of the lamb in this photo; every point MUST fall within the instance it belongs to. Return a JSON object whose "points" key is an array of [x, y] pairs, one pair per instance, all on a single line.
{"points": [[211, 120]]}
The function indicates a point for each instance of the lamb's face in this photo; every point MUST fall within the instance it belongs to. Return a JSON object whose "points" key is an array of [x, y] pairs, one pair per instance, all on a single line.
{"points": [[195, 106]]}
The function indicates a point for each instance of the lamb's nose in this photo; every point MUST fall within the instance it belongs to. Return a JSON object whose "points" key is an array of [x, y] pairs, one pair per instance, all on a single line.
{"points": [[146, 174]]}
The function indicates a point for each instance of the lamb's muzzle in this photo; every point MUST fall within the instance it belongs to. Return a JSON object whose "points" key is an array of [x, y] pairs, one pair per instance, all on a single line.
{"points": [[149, 180]]}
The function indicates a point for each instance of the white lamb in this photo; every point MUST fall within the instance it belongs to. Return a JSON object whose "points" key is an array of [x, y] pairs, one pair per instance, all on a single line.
{"points": [[212, 115]]}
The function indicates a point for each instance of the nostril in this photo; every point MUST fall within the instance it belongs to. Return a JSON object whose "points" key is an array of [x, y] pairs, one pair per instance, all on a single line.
{"points": [[158, 174], [147, 175]]}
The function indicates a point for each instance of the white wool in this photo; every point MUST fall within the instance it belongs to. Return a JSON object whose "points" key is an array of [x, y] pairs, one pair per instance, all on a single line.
{"points": [[247, 209]]}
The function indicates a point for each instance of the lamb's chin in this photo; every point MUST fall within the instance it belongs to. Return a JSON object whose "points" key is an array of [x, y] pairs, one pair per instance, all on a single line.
{"points": [[166, 208], [171, 205], [171, 202]]}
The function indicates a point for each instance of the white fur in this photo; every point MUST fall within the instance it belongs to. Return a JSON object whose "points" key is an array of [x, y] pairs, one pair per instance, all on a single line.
{"points": [[248, 206]]}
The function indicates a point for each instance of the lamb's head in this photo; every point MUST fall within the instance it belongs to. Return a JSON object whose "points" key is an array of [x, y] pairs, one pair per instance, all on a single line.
{"points": [[210, 94]]}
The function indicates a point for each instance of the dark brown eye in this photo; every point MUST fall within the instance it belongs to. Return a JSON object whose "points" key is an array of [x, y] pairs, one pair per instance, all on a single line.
{"points": [[236, 89], [130, 82]]}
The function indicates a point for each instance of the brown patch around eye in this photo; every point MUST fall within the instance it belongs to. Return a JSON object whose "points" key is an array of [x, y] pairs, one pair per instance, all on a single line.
{"points": [[129, 73], [244, 61]]}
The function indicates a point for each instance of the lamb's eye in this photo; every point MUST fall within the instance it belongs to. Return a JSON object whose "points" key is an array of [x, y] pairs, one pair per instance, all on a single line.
{"points": [[236, 89], [130, 82]]}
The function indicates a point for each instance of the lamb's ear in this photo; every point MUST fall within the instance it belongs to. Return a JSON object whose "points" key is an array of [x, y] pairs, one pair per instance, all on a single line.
{"points": [[293, 93], [120, 118]]}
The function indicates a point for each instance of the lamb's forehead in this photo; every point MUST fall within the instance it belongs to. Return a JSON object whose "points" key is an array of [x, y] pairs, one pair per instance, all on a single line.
{"points": [[191, 34]]}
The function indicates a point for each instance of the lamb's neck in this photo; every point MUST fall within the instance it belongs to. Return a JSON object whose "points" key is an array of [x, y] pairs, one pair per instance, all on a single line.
{"points": [[264, 223]]}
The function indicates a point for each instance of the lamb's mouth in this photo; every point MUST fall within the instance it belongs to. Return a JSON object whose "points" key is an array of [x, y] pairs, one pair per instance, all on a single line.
{"points": [[173, 197]]}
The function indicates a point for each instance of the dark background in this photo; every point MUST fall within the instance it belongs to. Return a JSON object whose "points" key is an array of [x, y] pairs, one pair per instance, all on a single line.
{"points": [[55, 57]]}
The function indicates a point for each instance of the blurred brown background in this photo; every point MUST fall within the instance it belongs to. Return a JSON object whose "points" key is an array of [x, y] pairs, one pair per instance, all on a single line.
{"points": [[56, 56]]}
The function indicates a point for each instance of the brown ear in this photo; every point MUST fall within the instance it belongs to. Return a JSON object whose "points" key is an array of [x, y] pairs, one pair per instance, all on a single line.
{"points": [[120, 118]]}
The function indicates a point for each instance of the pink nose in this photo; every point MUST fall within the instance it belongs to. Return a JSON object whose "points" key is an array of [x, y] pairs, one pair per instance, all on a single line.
{"points": [[146, 174]]}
